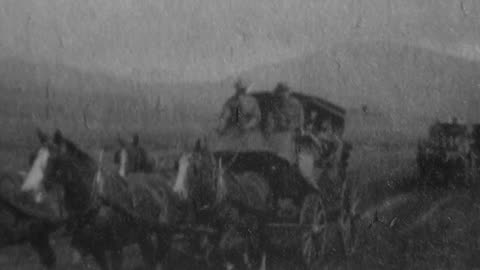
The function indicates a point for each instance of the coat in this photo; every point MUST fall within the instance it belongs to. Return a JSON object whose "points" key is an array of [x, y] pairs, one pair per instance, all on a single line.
{"points": [[241, 111], [288, 114]]}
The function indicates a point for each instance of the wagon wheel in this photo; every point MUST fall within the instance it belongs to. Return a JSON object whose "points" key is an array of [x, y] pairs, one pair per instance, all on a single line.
{"points": [[313, 214]]}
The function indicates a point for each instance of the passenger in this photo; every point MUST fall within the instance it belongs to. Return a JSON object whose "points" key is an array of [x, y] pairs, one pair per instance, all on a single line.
{"points": [[284, 123], [326, 131], [241, 111], [310, 126], [312, 131], [288, 112], [330, 141]]}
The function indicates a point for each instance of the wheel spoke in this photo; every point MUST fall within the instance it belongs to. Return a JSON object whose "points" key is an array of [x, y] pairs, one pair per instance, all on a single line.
{"points": [[314, 214]]}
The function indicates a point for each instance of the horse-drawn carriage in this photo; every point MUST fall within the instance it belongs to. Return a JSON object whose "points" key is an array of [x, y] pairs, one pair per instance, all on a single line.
{"points": [[449, 154], [295, 194], [308, 185], [258, 195]]}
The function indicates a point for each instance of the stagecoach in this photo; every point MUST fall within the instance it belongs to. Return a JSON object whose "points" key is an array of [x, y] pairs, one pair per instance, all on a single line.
{"points": [[302, 199], [326, 197], [288, 145], [310, 197], [449, 155], [324, 110]]}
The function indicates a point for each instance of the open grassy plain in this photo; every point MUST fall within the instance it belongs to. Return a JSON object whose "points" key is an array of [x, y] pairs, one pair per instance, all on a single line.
{"points": [[434, 228]]}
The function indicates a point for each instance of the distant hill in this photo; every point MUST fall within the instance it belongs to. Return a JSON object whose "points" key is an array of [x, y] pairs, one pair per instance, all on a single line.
{"points": [[399, 80], [406, 86], [96, 106]]}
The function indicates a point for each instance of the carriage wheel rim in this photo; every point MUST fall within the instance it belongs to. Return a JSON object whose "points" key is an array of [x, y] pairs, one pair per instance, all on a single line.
{"points": [[313, 240], [308, 250]]}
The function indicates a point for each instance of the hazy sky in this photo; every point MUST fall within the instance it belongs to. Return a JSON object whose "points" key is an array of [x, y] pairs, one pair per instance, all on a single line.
{"points": [[190, 40]]}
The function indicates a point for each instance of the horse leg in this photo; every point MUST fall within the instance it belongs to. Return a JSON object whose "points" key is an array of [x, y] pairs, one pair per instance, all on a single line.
{"points": [[246, 259], [147, 248], [116, 258], [255, 251], [207, 244], [40, 243], [164, 242], [259, 256], [262, 244], [263, 265]]}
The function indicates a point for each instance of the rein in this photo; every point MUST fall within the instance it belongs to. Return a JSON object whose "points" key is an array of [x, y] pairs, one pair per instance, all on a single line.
{"points": [[79, 218], [216, 170], [96, 190]]}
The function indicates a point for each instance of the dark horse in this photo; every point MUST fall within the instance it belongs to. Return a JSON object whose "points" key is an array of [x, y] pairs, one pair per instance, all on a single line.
{"points": [[237, 194], [132, 157], [240, 193], [101, 208], [22, 221], [283, 178], [233, 204]]}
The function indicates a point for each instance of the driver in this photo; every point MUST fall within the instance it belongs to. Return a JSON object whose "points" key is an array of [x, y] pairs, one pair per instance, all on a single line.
{"points": [[240, 111]]}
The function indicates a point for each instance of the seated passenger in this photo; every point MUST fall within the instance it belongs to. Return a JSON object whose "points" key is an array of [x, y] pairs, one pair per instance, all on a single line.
{"points": [[287, 112], [240, 111]]}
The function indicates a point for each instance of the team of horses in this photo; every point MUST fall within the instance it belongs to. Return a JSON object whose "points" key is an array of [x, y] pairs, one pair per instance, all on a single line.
{"points": [[231, 193], [99, 215]]}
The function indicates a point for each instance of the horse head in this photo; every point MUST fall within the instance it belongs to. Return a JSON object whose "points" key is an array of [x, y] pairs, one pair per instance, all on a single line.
{"points": [[196, 175], [53, 163], [131, 157], [40, 164]]}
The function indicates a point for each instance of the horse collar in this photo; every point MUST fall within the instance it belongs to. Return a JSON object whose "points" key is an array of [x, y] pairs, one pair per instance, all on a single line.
{"points": [[80, 218]]}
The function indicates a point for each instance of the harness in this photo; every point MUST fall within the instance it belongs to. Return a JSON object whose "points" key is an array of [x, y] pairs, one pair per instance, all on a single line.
{"points": [[81, 218], [205, 211]]}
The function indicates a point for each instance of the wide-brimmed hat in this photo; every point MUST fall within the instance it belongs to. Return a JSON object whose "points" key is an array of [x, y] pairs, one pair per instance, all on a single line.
{"points": [[281, 88], [240, 85]]}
